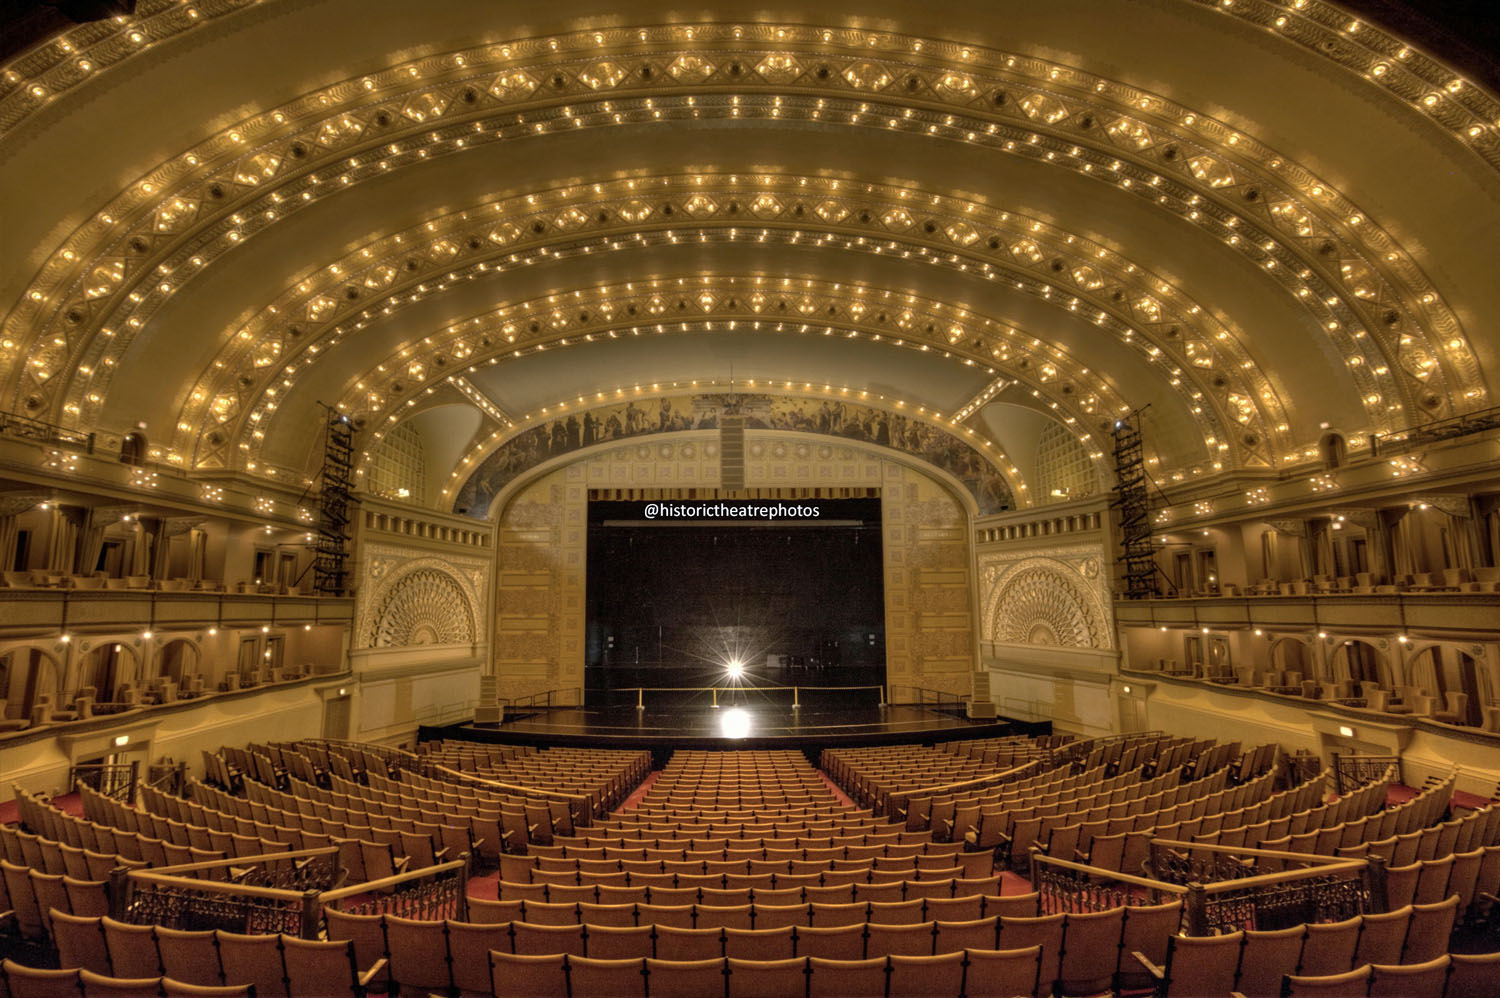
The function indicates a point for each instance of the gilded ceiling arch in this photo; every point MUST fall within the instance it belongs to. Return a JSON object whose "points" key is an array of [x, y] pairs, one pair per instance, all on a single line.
{"points": [[1372, 273]]}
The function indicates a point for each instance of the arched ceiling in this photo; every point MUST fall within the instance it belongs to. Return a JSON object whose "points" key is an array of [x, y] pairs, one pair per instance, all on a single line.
{"points": [[1257, 220]]}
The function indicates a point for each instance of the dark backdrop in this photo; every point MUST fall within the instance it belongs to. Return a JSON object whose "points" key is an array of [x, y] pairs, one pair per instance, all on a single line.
{"points": [[673, 604]]}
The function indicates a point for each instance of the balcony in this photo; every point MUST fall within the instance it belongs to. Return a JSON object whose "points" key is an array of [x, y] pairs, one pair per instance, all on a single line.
{"points": [[41, 611], [1427, 612]]}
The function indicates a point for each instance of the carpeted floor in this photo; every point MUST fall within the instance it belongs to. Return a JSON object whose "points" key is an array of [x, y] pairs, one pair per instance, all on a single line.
{"points": [[10, 811]]}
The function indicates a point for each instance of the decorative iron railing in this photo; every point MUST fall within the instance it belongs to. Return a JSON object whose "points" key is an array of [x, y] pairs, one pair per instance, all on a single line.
{"points": [[1222, 888], [1351, 771], [114, 780], [280, 892]]}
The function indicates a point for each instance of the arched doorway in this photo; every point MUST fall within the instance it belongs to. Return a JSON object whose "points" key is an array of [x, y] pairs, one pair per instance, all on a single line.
{"points": [[178, 661], [1361, 662], [25, 675], [107, 668], [1289, 655], [1439, 670], [133, 448]]}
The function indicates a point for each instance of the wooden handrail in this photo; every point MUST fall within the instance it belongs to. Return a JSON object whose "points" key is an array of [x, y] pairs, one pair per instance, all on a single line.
{"points": [[374, 885], [1037, 856]]}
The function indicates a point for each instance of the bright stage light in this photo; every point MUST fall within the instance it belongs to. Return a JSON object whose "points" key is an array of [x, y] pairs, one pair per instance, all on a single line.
{"points": [[736, 669], [734, 724]]}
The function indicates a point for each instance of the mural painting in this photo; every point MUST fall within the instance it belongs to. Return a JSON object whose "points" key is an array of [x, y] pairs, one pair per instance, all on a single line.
{"points": [[832, 417]]}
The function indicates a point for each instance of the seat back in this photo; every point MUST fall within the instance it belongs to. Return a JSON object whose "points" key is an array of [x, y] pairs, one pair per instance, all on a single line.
{"points": [[1428, 979], [253, 960], [1427, 933], [1266, 957], [1202, 965]]}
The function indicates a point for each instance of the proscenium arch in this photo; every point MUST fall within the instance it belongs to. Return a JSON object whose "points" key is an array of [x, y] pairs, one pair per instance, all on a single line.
{"points": [[474, 480], [1076, 98]]}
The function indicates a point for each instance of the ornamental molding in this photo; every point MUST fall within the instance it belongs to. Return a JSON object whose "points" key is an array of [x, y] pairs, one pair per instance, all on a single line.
{"points": [[1056, 596], [405, 594]]}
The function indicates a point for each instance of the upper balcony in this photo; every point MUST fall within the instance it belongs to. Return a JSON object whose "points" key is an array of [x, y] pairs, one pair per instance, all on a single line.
{"points": [[42, 611], [1433, 611]]}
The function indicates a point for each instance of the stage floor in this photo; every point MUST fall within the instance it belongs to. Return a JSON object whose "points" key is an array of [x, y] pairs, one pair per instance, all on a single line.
{"points": [[733, 726]]}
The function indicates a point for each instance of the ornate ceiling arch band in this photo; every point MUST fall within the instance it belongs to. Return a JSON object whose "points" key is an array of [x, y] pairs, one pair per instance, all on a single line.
{"points": [[1372, 55], [1134, 304], [1411, 356], [1300, 217], [646, 415]]}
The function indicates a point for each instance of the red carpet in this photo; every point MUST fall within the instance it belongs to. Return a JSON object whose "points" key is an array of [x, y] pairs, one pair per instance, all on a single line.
{"points": [[838, 794], [635, 797], [10, 811]]}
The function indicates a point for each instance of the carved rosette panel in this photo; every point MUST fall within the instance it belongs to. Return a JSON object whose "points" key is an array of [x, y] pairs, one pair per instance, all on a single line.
{"points": [[407, 597], [427, 606], [1055, 598]]}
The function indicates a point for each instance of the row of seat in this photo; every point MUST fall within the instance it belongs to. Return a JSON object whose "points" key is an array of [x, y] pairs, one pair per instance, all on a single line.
{"points": [[752, 909], [1119, 843], [741, 899], [1083, 953], [277, 965], [138, 849], [1256, 963], [20, 981], [956, 975], [23, 848], [767, 859], [774, 841], [753, 914], [1325, 829], [869, 884], [1449, 976]]}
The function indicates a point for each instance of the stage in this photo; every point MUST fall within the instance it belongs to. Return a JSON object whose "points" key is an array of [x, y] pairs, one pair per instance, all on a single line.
{"points": [[733, 726]]}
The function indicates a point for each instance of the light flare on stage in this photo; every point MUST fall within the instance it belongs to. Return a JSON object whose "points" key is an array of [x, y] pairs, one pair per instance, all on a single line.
{"points": [[734, 723]]}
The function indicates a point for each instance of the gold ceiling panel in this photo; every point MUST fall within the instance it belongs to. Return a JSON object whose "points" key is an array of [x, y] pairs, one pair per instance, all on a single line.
{"points": [[108, 279]]}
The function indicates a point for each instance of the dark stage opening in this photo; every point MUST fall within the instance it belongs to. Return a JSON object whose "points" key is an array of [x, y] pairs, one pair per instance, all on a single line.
{"points": [[715, 593]]}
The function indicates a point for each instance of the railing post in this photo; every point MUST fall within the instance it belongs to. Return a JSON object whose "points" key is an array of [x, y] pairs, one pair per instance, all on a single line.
{"points": [[310, 912], [1375, 871], [463, 889], [1197, 910], [796, 701], [715, 691], [119, 891], [640, 701]]}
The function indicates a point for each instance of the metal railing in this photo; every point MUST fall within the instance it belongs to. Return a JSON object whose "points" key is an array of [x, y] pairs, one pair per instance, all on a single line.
{"points": [[567, 696], [1438, 429], [114, 780], [1222, 888], [26, 428], [1351, 771], [796, 691], [280, 892], [926, 696]]}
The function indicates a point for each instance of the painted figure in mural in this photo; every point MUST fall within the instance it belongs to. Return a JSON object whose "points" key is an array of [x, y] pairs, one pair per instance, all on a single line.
{"points": [[836, 418]]}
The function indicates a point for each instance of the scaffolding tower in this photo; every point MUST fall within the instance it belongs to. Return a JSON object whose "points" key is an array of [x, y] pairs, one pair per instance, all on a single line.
{"points": [[1133, 500], [331, 564]]}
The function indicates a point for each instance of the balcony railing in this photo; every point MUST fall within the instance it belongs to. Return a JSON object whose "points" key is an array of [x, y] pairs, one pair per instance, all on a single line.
{"points": [[1438, 429], [26, 428]]}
